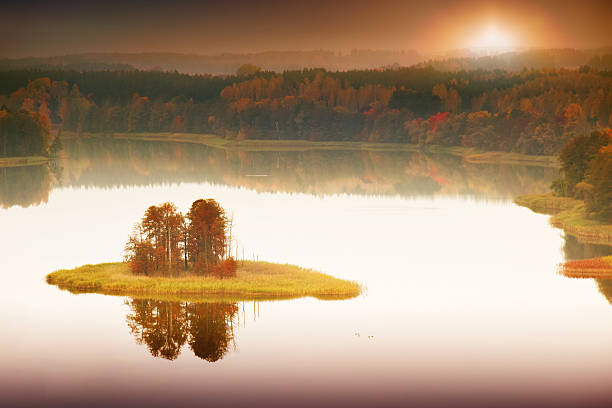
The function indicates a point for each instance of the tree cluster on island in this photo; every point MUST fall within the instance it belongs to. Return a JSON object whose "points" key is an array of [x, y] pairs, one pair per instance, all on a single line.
{"points": [[168, 243]]}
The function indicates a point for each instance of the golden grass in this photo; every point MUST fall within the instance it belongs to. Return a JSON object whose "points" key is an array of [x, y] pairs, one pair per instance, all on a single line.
{"points": [[513, 158], [254, 280], [570, 215], [598, 268], [22, 161]]}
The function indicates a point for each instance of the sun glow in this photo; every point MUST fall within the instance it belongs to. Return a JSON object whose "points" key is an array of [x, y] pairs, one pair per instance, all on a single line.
{"points": [[492, 40]]}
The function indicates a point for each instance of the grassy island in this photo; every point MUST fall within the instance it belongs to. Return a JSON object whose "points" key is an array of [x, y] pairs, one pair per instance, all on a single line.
{"points": [[570, 215], [254, 280], [598, 268]]}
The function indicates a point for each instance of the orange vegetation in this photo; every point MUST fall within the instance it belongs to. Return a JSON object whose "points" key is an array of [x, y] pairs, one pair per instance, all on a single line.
{"points": [[588, 268]]}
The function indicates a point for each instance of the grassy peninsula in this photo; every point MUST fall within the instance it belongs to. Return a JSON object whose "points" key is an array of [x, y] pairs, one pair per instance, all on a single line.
{"points": [[582, 199], [570, 215], [254, 280]]}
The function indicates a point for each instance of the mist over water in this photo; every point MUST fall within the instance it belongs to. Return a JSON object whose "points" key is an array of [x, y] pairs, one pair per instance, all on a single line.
{"points": [[463, 304]]}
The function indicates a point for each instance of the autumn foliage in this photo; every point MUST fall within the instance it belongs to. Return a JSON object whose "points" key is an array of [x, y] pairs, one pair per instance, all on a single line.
{"points": [[167, 242], [531, 111], [586, 170]]}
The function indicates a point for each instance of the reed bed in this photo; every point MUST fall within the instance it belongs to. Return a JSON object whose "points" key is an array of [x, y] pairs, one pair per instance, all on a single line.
{"points": [[597, 268]]}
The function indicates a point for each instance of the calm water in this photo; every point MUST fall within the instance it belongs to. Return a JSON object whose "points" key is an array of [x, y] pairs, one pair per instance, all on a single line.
{"points": [[463, 304]]}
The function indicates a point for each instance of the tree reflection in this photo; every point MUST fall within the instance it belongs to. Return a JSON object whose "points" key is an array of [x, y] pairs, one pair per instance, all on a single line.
{"points": [[164, 327], [107, 163], [573, 249], [104, 163], [24, 185], [211, 329]]}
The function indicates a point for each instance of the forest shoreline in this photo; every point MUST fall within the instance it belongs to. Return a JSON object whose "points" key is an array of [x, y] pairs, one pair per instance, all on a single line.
{"points": [[255, 280], [569, 215], [470, 154]]}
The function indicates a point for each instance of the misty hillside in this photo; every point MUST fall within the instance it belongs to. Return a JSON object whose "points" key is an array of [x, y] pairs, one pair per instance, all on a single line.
{"points": [[221, 64], [280, 61]]}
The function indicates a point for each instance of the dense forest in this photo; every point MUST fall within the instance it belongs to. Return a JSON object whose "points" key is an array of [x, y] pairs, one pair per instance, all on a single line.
{"points": [[586, 168], [530, 111], [23, 133]]}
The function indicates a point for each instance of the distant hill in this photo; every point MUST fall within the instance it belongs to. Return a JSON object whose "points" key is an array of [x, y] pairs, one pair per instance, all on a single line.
{"points": [[221, 64], [536, 59], [280, 61]]}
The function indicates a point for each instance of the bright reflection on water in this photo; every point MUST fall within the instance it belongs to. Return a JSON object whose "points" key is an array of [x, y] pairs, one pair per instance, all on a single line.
{"points": [[463, 303]]}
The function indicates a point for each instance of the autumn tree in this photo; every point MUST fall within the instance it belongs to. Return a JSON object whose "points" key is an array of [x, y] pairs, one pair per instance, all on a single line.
{"points": [[207, 235], [599, 177], [23, 133], [140, 253], [575, 157], [162, 226]]}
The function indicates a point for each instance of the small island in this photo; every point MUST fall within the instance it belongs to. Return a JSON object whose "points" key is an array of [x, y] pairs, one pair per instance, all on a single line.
{"points": [[254, 280], [171, 256]]}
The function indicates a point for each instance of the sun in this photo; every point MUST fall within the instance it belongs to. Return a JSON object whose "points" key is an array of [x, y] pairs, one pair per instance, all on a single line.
{"points": [[492, 40]]}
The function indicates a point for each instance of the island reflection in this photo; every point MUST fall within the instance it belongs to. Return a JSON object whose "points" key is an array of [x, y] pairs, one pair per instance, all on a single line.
{"points": [[165, 327]]}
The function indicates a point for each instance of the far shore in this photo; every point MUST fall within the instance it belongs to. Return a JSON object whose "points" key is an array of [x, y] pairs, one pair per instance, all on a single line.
{"points": [[569, 214], [254, 281], [469, 154]]}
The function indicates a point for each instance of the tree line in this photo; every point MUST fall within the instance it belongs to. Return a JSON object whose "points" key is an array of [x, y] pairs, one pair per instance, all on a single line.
{"points": [[529, 111], [167, 242], [586, 169]]}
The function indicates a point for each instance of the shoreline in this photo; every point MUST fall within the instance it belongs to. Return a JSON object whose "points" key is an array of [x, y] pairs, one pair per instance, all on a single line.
{"points": [[22, 161], [255, 280], [471, 155], [569, 215]]}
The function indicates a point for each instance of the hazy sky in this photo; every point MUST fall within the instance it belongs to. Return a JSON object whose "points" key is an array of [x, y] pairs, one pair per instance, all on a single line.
{"points": [[37, 27]]}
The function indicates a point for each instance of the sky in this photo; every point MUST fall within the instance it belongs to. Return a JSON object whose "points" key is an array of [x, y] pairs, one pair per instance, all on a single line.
{"points": [[58, 27]]}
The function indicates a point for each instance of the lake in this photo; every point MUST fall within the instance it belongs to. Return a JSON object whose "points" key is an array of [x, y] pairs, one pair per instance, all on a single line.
{"points": [[463, 303]]}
